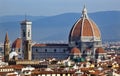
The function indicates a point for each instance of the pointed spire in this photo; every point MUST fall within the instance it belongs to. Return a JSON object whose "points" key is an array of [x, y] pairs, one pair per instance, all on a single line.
{"points": [[84, 12], [6, 38]]}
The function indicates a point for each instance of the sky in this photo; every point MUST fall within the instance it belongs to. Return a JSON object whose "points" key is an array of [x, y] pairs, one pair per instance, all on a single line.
{"points": [[55, 7]]}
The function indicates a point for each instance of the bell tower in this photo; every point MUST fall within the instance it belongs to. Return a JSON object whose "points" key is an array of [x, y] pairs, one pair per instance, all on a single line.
{"points": [[6, 48], [26, 39]]}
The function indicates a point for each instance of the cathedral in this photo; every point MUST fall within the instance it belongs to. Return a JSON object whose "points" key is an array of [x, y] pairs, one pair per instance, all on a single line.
{"points": [[85, 35], [84, 42]]}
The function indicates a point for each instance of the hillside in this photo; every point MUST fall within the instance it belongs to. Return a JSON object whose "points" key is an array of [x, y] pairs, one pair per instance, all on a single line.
{"points": [[56, 28]]}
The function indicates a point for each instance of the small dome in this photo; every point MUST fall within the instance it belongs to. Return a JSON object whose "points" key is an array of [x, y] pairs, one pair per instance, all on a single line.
{"points": [[75, 51], [100, 50], [17, 43]]}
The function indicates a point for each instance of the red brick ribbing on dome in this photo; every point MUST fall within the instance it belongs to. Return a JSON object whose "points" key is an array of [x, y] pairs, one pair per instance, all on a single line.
{"points": [[76, 30], [87, 28], [96, 29]]}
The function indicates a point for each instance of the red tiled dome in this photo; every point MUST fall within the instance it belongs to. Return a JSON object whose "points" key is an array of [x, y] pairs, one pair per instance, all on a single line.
{"points": [[75, 50], [84, 27], [17, 43], [100, 50]]}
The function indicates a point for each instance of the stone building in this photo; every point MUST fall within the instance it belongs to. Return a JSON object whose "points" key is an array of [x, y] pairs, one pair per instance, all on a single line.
{"points": [[26, 36], [44, 51], [85, 35], [6, 48]]}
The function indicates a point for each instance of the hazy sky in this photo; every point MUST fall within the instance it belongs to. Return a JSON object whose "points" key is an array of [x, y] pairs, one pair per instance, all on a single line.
{"points": [[54, 7]]}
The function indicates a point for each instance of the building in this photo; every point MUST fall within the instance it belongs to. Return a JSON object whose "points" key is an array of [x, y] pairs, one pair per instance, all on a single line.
{"points": [[44, 51], [6, 48], [101, 54], [52, 72], [85, 35], [75, 52], [26, 36], [75, 55]]}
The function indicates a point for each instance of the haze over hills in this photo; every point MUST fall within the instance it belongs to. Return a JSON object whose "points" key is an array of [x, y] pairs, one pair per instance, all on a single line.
{"points": [[56, 28]]}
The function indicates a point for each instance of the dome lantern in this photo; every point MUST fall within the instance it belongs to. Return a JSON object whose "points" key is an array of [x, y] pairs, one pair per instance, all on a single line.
{"points": [[84, 12]]}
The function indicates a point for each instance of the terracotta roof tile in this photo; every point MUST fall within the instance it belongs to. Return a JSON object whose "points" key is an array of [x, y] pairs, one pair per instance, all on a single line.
{"points": [[75, 50], [100, 50], [87, 28], [42, 45]]}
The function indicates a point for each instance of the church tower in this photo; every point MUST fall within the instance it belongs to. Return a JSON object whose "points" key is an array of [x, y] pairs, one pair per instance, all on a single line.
{"points": [[6, 48], [26, 39]]}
